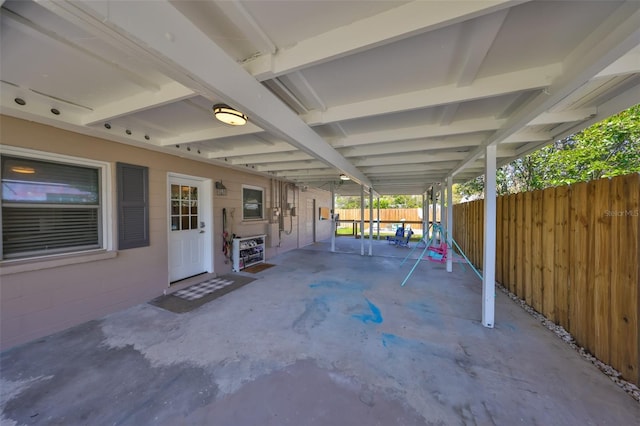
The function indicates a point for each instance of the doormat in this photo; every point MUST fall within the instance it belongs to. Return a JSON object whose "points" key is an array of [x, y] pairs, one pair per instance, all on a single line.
{"points": [[257, 268], [196, 295]]}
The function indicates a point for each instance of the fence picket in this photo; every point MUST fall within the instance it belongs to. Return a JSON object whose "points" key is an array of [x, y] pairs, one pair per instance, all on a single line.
{"points": [[561, 256], [548, 253], [578, 275], [527, 245], [520, 237], [536, 243], [601, 262], [626, 281], [500, 240], [513, 243]]}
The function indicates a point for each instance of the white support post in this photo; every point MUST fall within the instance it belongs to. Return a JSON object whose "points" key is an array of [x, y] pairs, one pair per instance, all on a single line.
{"points": [[425, 218], [378, 218], [433, 209], [450, 221], [370, 222], [333, 218], [489, 261], [361, 220], [443, 216]]}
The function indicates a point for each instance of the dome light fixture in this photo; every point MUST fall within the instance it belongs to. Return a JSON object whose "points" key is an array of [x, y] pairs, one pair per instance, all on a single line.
{"points": [[344, 177], [228, 115]]}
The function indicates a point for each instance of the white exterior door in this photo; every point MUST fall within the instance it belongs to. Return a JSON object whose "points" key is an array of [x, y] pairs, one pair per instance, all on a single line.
{"points": [[187, 229]]}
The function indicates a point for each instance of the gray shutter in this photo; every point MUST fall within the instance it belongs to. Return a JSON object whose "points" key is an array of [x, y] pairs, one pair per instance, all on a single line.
{"points": [[133, 206]]}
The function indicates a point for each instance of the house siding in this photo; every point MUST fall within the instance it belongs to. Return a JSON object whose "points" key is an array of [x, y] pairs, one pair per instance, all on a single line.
{"points": [[39, 302]]}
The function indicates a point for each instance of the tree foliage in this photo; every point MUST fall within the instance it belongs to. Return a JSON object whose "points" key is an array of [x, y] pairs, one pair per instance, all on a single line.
{"points": [[606, 149], [386, 202]]}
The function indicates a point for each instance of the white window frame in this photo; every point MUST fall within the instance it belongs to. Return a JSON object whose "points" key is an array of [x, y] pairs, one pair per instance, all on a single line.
{"points": [[255, 188], [106, 211]]}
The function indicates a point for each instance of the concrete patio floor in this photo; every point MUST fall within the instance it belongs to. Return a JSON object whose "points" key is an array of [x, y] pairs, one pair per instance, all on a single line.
{"points": [[320, 339]]}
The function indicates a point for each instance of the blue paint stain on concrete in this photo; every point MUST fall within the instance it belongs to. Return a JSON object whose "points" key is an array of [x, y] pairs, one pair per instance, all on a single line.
{"points": [[390, 339], [393, 341], [375, 316]]}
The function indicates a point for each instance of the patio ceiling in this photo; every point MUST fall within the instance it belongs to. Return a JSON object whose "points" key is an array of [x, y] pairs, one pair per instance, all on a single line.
{"points": [[396, 94]]}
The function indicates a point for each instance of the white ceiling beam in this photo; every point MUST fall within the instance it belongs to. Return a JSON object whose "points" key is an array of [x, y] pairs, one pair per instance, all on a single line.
{"points": [[416, 145], [407, 168], [614, 37], [218, 132], [415, 172], [315, 173], [420, 158], [170, 38], [563, 116], [420, 132], [301, 84], [384, 28], [271, 158], [448, 114], [528, 136], [400, 181], [487, 87], [482, 34], [250, 150], [408, 159], [293, 165], [245, 23], [628, 64], [290, 96], [170, 92]]}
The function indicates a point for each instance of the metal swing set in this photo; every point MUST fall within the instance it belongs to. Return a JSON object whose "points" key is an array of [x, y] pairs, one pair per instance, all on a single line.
{"points": [[438, 249]]}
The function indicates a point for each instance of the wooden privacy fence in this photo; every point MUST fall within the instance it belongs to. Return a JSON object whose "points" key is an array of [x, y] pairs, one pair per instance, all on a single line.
{"points": [[388, 215], [573, 254]]}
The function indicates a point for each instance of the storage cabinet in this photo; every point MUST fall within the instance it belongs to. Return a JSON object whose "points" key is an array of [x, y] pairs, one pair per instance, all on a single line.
{"points": [[248, 251]]}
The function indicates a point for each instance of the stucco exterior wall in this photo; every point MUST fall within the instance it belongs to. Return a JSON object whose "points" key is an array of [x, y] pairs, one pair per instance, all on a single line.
{"points": [[39, 297]]}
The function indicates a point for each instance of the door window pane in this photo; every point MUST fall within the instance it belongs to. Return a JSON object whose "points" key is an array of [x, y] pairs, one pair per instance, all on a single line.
{"points": [[184, 207]]}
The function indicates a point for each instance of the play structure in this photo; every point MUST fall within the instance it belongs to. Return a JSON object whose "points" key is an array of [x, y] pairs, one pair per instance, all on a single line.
{"points": [[438, 249]]}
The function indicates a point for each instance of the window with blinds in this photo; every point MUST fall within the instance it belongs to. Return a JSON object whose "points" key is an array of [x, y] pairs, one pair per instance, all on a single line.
{"points": [[49, 207]]}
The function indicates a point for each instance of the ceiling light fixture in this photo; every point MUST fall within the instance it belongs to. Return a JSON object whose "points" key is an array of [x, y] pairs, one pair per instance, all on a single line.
{"points": [[344, 177], [228, 115]]}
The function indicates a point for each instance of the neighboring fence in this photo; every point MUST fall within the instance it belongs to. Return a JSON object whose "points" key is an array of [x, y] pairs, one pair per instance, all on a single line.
{"points": [[389, 219], [573, 254], [388, 215]]}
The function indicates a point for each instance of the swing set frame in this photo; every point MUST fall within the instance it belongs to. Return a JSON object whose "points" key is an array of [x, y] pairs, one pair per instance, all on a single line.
{"points": [[438, 253]]}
